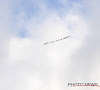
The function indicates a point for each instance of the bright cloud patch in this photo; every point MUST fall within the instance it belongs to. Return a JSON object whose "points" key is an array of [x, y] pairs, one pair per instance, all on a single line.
{"points": [[28, 64], [47, 66]]}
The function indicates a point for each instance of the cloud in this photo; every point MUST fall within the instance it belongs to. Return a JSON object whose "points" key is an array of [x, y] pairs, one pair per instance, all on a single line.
{"points": [[86, 61], [45, 67], [5, 26], [30, 65]]}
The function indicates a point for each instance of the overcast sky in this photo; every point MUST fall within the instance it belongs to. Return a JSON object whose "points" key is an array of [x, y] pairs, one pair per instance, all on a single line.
{"points": [[27, 64]]}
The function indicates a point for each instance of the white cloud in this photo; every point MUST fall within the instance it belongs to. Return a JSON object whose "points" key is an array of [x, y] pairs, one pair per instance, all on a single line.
{"points": [[29, 64], [47, 65]]}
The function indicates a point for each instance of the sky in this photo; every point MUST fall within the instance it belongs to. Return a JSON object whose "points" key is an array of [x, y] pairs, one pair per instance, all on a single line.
{"points": [[27, 64]]}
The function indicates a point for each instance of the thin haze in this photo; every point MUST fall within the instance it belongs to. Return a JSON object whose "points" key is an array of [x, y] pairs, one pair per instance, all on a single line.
{"points": [[27, 64]]}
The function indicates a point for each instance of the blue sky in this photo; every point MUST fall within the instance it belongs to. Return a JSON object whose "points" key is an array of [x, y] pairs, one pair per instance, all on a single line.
{"points": [[33, 7], [40, 9]]}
